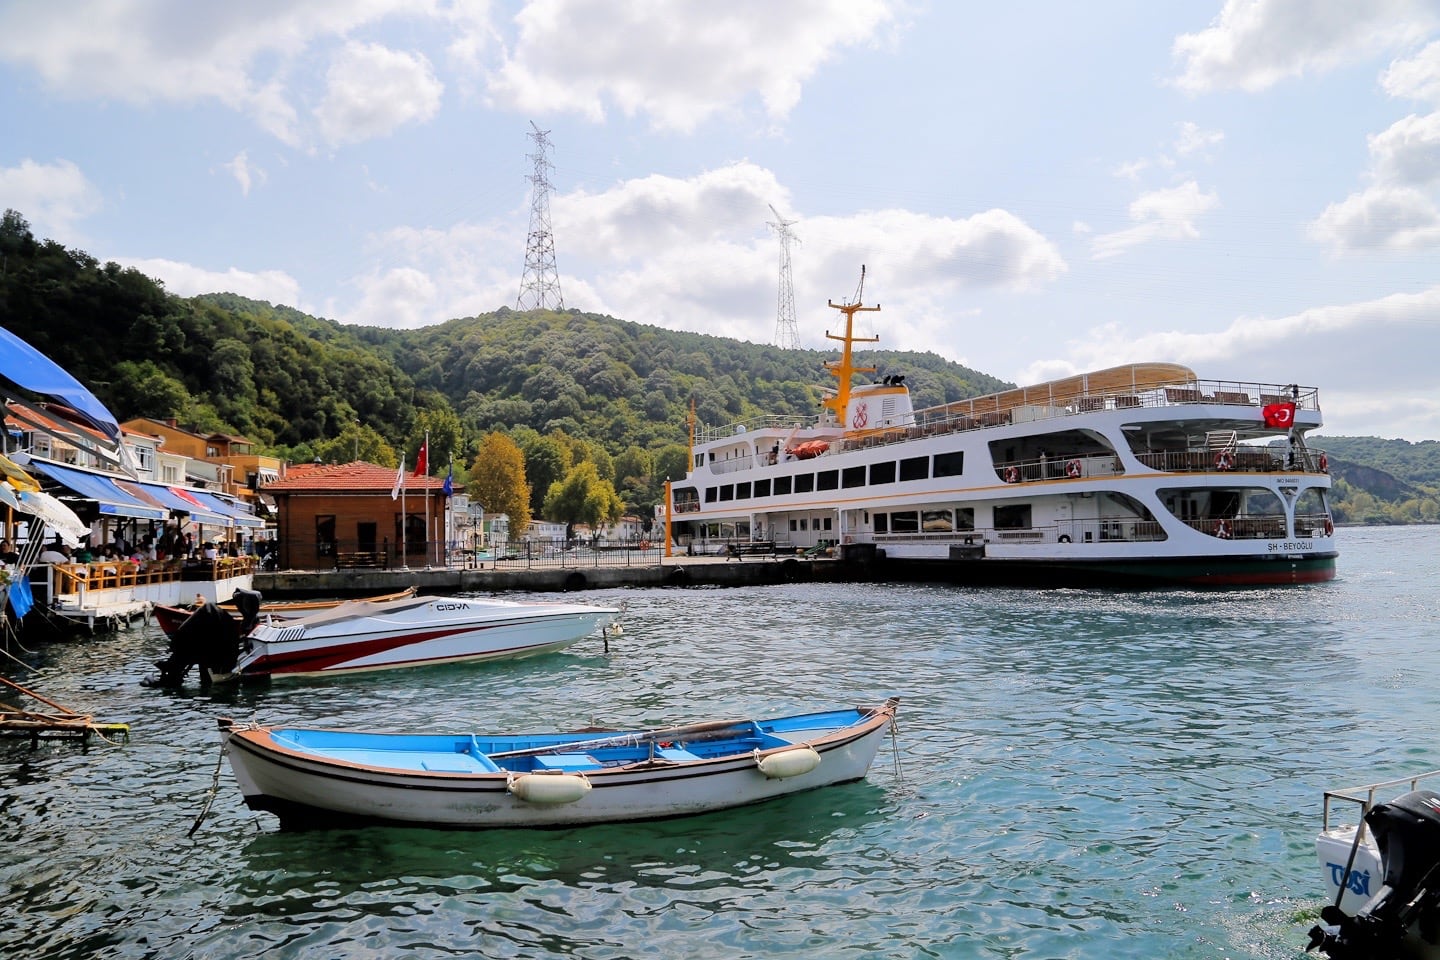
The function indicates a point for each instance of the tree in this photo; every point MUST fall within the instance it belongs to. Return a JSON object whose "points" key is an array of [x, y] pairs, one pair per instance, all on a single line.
{"points": [[497, 481], [444, 430], [357, 442], [582, 497], [546, 461]]}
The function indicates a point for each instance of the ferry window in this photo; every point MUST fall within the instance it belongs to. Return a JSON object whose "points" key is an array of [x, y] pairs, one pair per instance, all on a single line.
{"points": [[803, 524], [936, 521], [905, 521], [742, 491], [762, 488], [949, 464], [965, 518], [793, 525], [827, 479], [915, 468], [827, 524], [710, 494], [882, 523], [1014, 517], [699, 460], [727, 492], [782, 486], [852, 477], [804, 483], [882, 472]]}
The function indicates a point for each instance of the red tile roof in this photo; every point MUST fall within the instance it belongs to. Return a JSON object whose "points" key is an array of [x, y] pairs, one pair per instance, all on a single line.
{"points": [[357, 477]]}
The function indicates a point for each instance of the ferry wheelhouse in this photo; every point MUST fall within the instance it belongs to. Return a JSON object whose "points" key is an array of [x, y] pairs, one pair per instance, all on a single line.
{"points": [[1135, 475]]}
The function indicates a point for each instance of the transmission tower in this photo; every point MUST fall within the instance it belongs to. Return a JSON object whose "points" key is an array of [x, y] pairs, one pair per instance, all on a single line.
{"points": [[540, 283], [787, 334]]}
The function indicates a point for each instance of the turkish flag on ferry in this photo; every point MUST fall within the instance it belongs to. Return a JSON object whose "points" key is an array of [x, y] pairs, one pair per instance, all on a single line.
{"points": [[422, 459], [1279, 415]]}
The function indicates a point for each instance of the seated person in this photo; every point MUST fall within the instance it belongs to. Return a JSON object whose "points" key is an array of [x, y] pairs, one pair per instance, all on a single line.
{"points": [[55, 553], [8, 553]]}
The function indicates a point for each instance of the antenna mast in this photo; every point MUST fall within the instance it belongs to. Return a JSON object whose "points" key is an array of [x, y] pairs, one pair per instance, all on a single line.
{"points": [[540, 283], [787, 333]]}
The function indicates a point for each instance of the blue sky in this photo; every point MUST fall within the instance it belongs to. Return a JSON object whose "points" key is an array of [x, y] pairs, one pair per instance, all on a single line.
{"points": [[1248, 187]]}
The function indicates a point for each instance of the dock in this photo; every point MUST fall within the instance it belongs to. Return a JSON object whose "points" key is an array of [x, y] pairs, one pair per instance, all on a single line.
{"points": [[59, 723]]}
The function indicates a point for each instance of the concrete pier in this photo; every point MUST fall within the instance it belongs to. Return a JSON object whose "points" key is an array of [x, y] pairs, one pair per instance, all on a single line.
{"points": [[670, 572]]}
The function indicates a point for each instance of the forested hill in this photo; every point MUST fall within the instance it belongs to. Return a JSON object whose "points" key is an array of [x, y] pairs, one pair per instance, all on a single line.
{"points": [[303, 387]]}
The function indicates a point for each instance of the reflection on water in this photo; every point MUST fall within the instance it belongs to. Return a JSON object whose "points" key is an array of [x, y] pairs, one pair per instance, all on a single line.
{"points": [[1085, 773]]}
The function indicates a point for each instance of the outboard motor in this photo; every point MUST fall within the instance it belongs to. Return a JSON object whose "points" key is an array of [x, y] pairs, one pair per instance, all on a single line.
{"points": [[206, 639], [248, 603], [1407, 831]]}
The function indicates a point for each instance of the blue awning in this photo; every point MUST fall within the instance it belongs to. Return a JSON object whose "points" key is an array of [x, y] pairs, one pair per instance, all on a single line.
{"points": [[238, 515], [111, 500], [163, 496]]}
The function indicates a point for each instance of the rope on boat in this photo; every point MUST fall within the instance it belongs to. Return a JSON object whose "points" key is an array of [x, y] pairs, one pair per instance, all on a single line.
{"points": [[895, 747], [210, 797]]}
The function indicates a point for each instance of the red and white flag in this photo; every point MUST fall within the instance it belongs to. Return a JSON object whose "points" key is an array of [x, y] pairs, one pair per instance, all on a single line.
{"points": [[422, 459], [399, 481], [1279, 415]]}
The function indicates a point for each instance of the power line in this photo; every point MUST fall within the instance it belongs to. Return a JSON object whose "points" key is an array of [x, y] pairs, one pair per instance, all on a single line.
{"points": [[540, 283]]}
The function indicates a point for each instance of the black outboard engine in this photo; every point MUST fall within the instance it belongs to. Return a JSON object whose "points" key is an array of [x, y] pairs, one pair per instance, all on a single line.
{"points": [[206, 639], [248, 603], [1407, 831]]}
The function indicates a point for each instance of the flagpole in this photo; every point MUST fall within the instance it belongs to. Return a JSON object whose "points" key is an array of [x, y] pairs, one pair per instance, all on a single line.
{"points": [[404, 553], [427, 500]]}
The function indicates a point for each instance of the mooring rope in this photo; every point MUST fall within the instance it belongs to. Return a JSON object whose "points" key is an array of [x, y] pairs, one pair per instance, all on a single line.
{"points": [[214, 788]]}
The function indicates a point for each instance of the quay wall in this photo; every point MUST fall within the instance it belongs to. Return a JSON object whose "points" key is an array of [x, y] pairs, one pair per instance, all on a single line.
{"points": [[680, 572]]}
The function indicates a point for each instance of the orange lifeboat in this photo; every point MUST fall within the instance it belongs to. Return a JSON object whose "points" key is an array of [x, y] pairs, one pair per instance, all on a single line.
{"points": [[809, 449]]}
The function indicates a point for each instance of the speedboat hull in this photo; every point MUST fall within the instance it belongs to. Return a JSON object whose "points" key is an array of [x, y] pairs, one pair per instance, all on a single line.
{"points": [[313, 778], [421, 631]]}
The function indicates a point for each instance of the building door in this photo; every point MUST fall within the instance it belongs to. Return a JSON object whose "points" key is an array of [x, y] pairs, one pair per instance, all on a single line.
{"points": [[365, 537]]}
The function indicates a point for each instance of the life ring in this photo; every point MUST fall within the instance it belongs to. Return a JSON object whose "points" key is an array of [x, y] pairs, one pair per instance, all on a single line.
{"points": [[1064, 538], [1222, 529], [644, 544], [1073, 469], [1012, 474], [1224, 461], [1329, 527], [1324, 464]]}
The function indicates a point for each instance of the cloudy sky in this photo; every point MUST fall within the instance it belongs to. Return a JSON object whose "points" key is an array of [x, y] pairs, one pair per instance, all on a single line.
{"points": [[1249, 187]]}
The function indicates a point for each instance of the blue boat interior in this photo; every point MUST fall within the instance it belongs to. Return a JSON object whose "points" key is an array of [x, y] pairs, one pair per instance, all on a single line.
{"points": [[565, 752]]}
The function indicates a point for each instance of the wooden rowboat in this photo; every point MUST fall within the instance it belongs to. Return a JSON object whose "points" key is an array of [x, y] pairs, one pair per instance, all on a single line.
{"points": [[322, 778]]}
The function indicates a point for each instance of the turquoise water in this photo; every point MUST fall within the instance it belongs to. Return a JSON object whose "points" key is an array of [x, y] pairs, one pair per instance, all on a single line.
{"points": [[1081, 773]]}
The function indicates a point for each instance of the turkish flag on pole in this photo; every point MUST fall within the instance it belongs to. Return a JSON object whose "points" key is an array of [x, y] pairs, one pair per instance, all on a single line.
{"points": [[1279, 415], [422, 459]]}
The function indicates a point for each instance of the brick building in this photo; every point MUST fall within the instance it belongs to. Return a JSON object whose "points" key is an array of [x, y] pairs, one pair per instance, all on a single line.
{"points": [[342, 515]]}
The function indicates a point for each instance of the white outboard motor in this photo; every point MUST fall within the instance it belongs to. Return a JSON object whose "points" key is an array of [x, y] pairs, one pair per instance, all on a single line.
{"points": [[1407, 831]]}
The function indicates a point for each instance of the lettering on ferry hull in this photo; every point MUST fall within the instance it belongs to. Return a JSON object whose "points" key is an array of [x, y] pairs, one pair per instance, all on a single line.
{"points": [[1290, 546]]}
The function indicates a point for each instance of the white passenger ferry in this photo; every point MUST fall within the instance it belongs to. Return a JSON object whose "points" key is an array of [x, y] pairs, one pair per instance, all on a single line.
{"points": [[1140, 474]]}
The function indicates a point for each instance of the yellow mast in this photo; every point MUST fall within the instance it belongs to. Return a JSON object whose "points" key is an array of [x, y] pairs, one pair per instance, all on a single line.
{"points": [[844, 368]]}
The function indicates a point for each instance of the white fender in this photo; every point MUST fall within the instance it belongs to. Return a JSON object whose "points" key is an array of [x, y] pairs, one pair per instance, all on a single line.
{"points": [[787, 763], [548, 787]]}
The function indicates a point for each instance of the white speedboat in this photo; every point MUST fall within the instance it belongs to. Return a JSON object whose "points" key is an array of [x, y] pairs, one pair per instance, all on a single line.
{"points": [[326, 778], [1381, 872], [414, 631], [1135, 475]]}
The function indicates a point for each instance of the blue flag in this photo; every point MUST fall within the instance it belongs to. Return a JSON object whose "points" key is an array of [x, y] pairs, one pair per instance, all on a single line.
{"points": [[450, 480]]}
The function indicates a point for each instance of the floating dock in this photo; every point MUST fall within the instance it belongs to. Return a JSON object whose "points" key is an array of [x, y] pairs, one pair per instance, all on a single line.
{"points": [[60, 723]]}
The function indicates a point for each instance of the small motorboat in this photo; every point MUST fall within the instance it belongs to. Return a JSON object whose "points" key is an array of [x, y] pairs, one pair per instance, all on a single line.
{"points": [[1382, 873], [415, 631], [324, 778], [361, 635]]}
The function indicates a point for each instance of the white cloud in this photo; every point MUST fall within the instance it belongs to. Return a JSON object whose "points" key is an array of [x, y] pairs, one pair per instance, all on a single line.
{"points": [[371, 90], [1380, 218], [143, 51], [244, 172], [1168, 214], [53, 197], [1191, 138], [1415, 78], [676, 63], [1408, 152], [188, 280], [1372, 359], [1254, 44]]}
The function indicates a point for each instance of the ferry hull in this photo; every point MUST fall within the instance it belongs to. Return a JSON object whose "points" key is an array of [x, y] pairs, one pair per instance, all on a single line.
{"points": [[1150, 572]]}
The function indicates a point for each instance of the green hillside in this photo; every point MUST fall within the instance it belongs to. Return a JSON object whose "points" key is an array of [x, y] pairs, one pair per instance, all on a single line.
{"points": [[302, 387]]}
